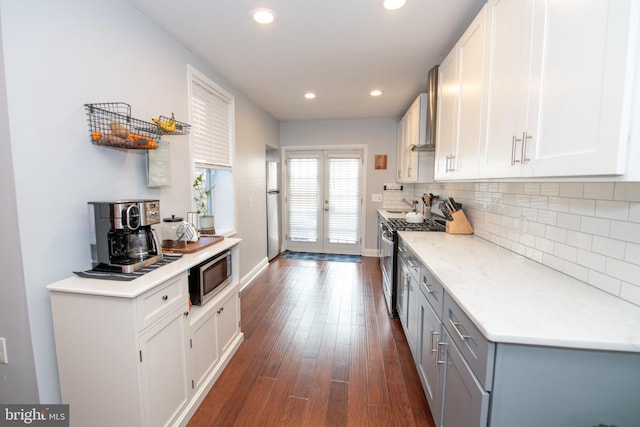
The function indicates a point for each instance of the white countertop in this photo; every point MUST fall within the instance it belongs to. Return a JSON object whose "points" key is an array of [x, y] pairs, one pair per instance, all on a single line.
{"points": [[133, 288], [513, 299]]}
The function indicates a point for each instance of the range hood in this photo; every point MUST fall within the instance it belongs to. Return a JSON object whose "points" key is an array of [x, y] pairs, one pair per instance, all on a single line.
{"points": [[432, 101]]}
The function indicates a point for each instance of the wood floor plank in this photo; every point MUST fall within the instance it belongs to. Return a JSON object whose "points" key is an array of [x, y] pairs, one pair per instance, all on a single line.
{"points": [[292, 413], [278, 399], [320, 349], [337, 408], [254, 404], [304, 378]]}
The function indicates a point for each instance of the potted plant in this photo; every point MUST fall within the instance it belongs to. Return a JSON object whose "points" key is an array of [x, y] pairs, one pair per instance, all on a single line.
{"points": [[201, 196]]}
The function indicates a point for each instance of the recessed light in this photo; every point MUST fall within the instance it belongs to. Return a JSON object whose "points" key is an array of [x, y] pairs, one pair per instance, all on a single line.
{"points": [[310, 95], [394, 4], [263, 16], [375, 92]]}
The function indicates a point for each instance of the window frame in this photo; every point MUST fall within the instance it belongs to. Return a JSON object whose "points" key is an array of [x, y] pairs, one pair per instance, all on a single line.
{"points": [[223, 198]]}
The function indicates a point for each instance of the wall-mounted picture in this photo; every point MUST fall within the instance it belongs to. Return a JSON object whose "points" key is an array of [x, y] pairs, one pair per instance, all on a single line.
{"points": [[381, 161]]}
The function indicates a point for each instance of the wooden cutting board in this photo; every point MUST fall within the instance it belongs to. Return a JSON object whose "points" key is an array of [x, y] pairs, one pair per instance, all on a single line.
{"points": [[192, 247]]}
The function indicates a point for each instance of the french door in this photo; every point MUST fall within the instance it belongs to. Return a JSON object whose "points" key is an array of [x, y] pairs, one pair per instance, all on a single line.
{"points": [[323, 201]]}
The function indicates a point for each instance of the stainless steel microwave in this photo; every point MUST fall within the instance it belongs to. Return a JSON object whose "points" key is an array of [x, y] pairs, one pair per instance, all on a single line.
{"points": [[210, 277]]}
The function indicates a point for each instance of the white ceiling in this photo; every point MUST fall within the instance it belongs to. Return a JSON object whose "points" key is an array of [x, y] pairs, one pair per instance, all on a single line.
{"points": [[340, 49]]}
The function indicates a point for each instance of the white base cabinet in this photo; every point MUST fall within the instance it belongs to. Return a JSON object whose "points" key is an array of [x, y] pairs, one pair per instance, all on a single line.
{"points": [[215, 329], [163, 368], [147, 360]]}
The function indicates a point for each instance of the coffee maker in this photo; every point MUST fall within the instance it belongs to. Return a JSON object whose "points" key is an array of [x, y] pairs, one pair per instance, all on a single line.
{"points": [[124, 240]]}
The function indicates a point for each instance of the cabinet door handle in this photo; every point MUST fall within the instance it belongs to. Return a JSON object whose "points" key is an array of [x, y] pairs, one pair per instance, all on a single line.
{"points": [[455, 327], [449, 165], [438, 361], [405, 281], [525, 138], [433, 334], [514, 143], [186, 313], [165, 297]]}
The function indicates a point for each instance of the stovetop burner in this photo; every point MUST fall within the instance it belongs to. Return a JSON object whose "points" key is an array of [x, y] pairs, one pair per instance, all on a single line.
{"points": [[399, 224]]}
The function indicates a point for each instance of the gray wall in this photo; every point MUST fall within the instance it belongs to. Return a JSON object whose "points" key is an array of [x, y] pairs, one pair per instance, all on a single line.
{"points": [[59, 56], [17, 379]]}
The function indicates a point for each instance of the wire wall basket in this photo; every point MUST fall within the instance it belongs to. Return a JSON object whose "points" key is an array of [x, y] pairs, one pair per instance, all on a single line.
{"points": [[111, 124]]}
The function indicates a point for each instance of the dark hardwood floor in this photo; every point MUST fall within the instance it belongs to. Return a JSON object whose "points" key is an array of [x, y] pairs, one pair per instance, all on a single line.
{"points": [[319, 350]]}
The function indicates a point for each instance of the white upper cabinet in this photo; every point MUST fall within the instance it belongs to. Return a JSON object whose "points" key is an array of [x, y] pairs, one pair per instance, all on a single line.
{"points": [[414, 166], [558, 88], [447, 118], [460, 97]]}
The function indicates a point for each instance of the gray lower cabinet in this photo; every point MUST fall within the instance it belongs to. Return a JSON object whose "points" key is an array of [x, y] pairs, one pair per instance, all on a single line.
{"points": [[429, 334], [544, 386], [470, 381], [464, 401], [407, 301]]}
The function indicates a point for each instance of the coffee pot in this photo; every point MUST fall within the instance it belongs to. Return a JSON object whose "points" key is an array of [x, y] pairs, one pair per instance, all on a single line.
{"points": [[138, 244]]}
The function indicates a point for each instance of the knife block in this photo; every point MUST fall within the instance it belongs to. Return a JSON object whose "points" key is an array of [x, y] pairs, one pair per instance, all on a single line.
{"points": [[460, 224]]}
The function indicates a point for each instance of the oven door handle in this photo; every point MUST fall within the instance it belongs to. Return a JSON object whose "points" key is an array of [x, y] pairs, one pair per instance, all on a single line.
{"points": [[386, 239]]}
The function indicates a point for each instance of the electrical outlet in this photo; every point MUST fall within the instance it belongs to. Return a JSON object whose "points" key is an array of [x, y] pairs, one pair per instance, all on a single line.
{"points": [[3, 351]]}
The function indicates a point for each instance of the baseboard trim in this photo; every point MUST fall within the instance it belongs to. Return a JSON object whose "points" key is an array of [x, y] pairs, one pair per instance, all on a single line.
{"points": [[200, 394], [370, 252], [253, 273]]}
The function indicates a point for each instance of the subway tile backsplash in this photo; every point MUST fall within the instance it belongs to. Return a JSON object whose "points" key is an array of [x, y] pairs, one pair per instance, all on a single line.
{"points": [[590, 231]]}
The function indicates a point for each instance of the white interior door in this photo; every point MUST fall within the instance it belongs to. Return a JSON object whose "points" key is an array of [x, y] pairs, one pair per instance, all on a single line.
{"points": [[324, 201]]}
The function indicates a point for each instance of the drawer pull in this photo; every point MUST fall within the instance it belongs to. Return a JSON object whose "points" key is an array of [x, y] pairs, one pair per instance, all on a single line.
{"points": [[165, 297], [428, 287], [455, 327]]}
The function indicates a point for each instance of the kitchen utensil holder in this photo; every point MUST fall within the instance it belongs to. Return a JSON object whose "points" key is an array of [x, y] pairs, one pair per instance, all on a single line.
{"points": [[460, 224]]}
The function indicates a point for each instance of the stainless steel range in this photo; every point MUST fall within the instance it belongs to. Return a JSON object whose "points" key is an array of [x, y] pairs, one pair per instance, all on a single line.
{"points": [[388, 252]]}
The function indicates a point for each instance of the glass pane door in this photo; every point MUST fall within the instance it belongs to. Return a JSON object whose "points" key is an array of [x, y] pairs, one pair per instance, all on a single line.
{"points": [[323, 201], [343, 201]]}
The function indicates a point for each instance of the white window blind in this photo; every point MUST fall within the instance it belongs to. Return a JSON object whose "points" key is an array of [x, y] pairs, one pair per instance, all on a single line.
{"points": [[303, 198], [344, 197], [211, 125]]}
